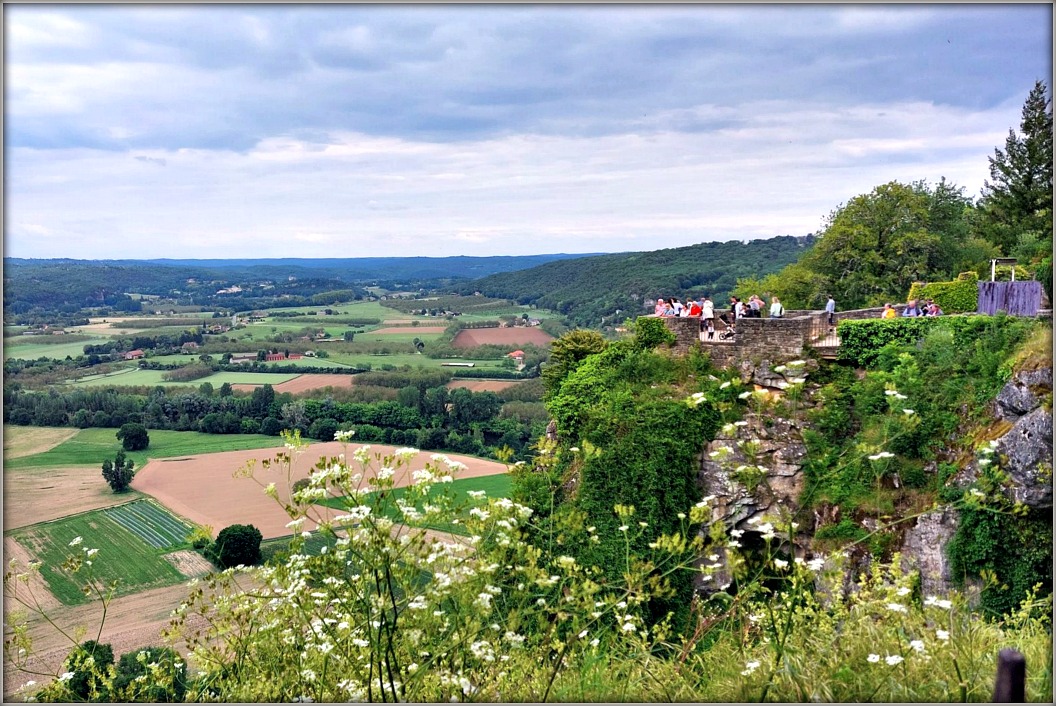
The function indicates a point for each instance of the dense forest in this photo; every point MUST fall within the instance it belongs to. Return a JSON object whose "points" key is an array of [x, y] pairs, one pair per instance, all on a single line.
{"points": [[592, 290]]}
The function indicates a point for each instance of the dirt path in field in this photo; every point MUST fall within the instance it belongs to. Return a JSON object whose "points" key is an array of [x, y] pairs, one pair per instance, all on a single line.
{"points": [[33, 495], [205, 490], [27, 441]]}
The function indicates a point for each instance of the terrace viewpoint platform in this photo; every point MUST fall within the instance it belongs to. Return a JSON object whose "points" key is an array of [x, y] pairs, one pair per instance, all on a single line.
{"points": [[782, 338]]}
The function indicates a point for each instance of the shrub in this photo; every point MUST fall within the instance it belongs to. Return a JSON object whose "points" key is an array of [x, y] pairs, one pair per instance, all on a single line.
{"points": [[270, 426], [163, 672], [959, 296], [133, 437], [650, 332], [237, 545], [87, 683]]}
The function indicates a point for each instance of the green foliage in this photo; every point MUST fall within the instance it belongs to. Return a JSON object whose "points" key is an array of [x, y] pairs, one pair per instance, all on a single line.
{"points": [[152, 674], [133, 436], [119, 472], [875, 246], [237, 545], [954, 297], [650, 332], [1018, 196], [566, 353], [88, 662]]}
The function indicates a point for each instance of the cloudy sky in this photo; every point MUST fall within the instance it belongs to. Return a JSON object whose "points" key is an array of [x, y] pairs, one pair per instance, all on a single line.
{"points": [[354, 131]]}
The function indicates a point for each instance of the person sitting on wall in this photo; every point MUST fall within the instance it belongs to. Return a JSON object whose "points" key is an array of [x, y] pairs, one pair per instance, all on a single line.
{"points": [[912, 309], [660, 308], [889, 312], [932, 309], [694, 308]]}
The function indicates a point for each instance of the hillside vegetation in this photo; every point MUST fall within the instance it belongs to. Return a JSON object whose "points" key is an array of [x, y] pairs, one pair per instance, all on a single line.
{"points": [[591, 289]]}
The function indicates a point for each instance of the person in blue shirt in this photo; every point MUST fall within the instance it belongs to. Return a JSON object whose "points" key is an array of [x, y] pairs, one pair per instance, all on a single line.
{"points": [[912, 309]]}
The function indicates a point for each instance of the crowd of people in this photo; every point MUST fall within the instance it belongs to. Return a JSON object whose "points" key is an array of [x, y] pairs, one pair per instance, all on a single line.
{"points": [[755, 306], [705, 309]]}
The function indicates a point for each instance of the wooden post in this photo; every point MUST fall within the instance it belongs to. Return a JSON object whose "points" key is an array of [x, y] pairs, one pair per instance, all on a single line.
{"points": [[1011, 683]]}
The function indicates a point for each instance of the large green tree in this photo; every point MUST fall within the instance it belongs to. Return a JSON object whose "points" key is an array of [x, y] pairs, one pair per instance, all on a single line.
{"points": [[878, 244], [133, 436], [1017, 199]]}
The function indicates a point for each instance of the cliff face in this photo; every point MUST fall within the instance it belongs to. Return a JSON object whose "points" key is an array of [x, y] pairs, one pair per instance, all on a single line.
{"points": [[755, 468]]}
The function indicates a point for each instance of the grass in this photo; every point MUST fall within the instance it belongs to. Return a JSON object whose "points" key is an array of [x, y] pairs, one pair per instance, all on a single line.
{"points": [[412, 359], [91, 446], [135, 377], [55, 351], [123, 556], [496, 486]]}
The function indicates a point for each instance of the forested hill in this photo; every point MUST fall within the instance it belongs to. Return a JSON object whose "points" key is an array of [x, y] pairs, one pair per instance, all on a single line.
{"points": [[589, 288], [66, 284]]}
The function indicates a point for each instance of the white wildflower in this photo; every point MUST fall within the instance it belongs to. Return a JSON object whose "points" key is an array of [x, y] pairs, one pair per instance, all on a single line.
{"points": [[896, 608], [942, 635], [917, 645], [873, 658], [892, 660], [750, 667], [75, 541]]}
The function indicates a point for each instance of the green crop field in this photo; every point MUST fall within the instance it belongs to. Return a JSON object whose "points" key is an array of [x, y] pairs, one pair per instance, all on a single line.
{"points": [[496, 486], [151, 523], [151, 378], [90, 446], [123, 556], [58, 351]]}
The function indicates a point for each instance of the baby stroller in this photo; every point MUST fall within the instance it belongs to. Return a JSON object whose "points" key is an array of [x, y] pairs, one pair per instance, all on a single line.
{"points": [[730, 331]]}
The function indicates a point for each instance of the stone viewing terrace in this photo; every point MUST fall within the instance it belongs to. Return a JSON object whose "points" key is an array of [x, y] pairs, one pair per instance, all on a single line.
{"points": [[783, 338], [775, 339]]}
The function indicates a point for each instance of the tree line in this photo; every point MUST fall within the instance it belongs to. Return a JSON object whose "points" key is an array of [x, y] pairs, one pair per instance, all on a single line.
{"points": [[424, 415]]}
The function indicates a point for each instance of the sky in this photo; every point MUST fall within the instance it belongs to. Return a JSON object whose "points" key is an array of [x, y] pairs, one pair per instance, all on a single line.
{"points": [[261, 131]]}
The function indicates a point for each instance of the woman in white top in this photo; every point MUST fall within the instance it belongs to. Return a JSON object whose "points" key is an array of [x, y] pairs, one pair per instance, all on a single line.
{"points": [[707, 316]]}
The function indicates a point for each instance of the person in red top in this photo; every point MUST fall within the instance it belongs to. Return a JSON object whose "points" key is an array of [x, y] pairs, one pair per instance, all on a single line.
{"points": [[694, 308]]}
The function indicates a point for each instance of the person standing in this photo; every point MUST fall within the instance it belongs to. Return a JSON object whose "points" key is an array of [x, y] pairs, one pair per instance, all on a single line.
{"points": [[830, 309], [707, 313], [776, 310]]}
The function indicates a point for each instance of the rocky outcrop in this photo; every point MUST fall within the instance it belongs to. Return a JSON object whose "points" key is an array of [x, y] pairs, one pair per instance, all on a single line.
{"points": [[924, 550], [1025, 450], [1026, 455]]}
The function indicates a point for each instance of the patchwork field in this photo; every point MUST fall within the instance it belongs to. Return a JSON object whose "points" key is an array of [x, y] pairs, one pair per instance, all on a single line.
{"points": [[151, 378], [90, 446], [206, 489], [124, 555], [515, 336], [307, 381]]}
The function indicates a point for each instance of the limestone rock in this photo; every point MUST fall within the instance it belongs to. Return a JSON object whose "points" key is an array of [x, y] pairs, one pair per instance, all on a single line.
{"points": [[1026, 452], [924, 550]]}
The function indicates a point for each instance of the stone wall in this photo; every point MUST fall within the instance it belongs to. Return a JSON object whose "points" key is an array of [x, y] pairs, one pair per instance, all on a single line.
{"points": [[757, 339]]}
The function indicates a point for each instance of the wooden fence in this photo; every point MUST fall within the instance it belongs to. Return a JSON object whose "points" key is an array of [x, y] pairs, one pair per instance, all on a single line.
{"points": [[1015, 298]]}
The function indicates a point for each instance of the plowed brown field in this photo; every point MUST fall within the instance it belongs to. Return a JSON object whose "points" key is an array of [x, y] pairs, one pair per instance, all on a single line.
{"points": [[482, 385], [516, 336], [204, 489]]}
